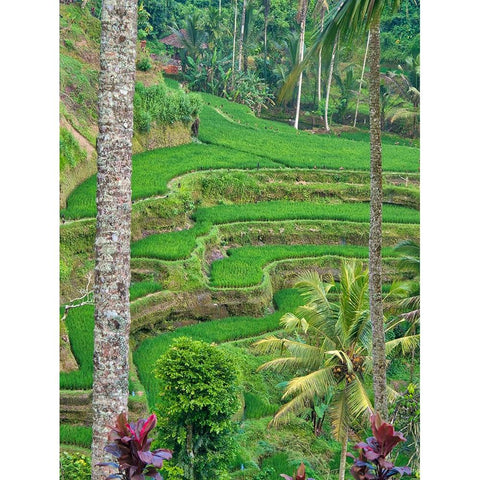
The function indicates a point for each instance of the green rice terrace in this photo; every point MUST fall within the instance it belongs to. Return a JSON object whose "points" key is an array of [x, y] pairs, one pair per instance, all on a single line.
{"points": [[220, 229]]}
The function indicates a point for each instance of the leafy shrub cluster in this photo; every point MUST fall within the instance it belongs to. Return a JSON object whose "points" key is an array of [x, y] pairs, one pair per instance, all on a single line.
{"points": [[199, 385], [158, 105], [144, 63], [217, 331], [74, 466]]}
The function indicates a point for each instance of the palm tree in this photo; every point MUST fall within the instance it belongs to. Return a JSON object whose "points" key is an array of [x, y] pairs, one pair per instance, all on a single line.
{"points": [[112, 243], [351, 19], [241, 39], [266, 11], [321, 7], [361, 81], [302, 19], [329, 83], [332, 350]]}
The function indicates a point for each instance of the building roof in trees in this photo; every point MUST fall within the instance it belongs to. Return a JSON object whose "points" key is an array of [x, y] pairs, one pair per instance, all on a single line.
{"points": [[174, 40]]}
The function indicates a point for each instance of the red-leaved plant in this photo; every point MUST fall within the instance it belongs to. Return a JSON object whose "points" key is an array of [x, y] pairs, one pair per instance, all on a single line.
{"points": [[372, 463], [131, 447], [300, 475]]}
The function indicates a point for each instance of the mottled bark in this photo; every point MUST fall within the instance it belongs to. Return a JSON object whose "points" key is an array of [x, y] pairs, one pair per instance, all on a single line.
{"points": [[112, 243], [301, 44], [375, 238]]}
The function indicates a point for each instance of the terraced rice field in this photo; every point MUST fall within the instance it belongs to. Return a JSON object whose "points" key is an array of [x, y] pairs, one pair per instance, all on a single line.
{"points": [[215, 214]]}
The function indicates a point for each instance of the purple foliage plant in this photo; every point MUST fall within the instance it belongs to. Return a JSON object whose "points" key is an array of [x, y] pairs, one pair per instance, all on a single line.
{"points": [[372, 463], [131, 447]]}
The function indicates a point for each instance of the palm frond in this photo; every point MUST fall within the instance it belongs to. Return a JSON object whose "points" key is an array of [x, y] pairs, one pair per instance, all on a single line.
{"points": [[392, 394], [349, 19], [358, 399], [340, 415], [406, 343], [294, 406], [315, 383]]}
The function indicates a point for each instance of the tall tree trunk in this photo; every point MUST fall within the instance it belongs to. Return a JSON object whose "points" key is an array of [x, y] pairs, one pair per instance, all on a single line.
{"points": [[266, 11], [375, 238], [234, 41], [301, 46], [112, 243], [343, 458], [361, 81], [319, 74], [241, 39], [329, 84], [219, 6]]}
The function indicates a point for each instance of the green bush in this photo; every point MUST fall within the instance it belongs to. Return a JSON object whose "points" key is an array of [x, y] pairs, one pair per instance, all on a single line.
{"points": [[74, 466], [160, 105], [199, 396], [144, 64]]}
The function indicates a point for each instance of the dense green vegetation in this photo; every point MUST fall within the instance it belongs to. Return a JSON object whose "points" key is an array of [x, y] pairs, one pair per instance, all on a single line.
{"points": [[235, 215]]}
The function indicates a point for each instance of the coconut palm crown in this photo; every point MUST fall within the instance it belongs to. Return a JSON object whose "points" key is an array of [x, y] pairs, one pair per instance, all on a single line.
{"points": [[330, 346], [331, 349]]}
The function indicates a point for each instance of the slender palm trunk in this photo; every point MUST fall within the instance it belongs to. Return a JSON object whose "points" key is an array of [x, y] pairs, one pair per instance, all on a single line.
{"points": [[329, 84], [301, 46], [266, 5], [112, 244], [343, 458], [319, 73], [375, 238], [219, 6], [241, 39], [361, 81], [234, 42]]}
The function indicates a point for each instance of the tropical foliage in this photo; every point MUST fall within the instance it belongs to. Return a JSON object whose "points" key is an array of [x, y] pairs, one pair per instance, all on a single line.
{"points": [[199, 395], [131, 446]]}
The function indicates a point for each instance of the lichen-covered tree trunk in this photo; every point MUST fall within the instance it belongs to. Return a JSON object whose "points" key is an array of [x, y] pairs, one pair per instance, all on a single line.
{"points": [[112, 243], [375, 238]]}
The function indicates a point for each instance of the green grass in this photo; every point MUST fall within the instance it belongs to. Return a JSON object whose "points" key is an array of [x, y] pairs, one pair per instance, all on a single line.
{"points": [[140, 289], [76, 435], [287, 210], [169, 246], [247, 144], [241, 131], [256, 407], [80, 323], [231, 328], [152, 171], [179, 245], [244, 266]]}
